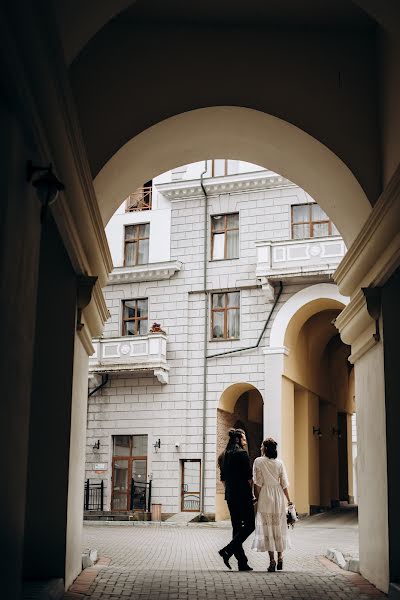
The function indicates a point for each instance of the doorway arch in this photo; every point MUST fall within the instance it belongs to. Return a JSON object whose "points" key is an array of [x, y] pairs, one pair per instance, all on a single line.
{"points": [[240, 406], [236, 133]]}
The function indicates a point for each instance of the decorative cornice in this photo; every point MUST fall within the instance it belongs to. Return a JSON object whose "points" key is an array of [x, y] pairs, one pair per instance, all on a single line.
{"points": [[96, 313], [375, 253], [231, 184], [356, 327], [149, 272], [86, 338]]}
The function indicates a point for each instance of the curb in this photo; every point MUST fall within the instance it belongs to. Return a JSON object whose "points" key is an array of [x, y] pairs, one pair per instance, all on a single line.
{"points": [[352, 564]]}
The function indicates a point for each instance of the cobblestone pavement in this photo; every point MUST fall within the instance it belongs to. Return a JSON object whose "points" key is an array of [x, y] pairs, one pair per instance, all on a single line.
{"points": [[181, 563]]}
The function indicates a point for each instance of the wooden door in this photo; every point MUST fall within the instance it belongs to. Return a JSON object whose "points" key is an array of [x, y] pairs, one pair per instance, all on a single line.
{"points": [[190, 487]]}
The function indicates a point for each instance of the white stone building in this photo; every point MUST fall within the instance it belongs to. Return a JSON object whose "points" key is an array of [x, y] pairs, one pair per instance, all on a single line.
{"points": [[233, 264]]}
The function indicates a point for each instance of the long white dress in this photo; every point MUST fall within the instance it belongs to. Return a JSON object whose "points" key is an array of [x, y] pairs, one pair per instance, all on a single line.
{"points": [[271, 532]]}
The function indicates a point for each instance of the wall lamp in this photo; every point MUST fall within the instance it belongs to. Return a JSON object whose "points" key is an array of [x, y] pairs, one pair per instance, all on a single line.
{"points": [[317, 431], [157, 445], [46, 184], [96, 446], [337, 432]]}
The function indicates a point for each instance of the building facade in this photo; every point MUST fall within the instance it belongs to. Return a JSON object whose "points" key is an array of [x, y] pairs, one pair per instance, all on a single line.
{"points": [[221, 307]]}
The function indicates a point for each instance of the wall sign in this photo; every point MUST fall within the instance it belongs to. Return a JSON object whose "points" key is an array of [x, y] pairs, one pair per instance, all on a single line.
{"points": [[100, 467]]}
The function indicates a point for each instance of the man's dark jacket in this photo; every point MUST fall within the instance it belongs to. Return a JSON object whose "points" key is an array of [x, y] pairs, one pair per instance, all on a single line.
{"points": [[236, 474]]}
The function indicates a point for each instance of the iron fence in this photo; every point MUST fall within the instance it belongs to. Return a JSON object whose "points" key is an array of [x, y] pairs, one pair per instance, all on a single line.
{"points": [[94, 495]]}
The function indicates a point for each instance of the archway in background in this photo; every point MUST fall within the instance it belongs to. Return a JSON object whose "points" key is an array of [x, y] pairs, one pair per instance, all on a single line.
{"points": [[317, 399], [240, 405], [236, 133]]}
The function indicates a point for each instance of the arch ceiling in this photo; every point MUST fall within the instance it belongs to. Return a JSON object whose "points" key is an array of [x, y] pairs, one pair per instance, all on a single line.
{"points": [[236, 133], [80, 21]]}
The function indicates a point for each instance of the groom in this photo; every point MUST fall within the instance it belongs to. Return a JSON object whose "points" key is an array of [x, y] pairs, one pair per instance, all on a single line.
{"points": [[236, 473]]}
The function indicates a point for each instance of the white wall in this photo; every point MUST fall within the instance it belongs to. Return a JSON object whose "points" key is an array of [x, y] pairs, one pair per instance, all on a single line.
{"points": [[138, 404], [160, 227]]}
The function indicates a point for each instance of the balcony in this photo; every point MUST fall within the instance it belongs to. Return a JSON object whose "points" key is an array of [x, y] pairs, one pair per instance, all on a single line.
{"points": [[141, 354], [312, 259], [140, 200]]}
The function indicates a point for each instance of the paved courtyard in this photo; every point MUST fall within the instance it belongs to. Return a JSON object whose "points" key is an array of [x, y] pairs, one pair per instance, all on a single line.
{"points": [[181, 562]]}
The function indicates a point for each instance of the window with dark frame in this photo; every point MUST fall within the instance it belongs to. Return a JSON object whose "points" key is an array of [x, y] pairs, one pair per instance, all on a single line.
{"points": [[225, 315], [311, 221], [225, 236], [136, 251], [135, 318]]}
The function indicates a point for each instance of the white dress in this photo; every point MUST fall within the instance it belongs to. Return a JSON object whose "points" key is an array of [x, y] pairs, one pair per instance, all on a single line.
{"points": [[271, 532]]}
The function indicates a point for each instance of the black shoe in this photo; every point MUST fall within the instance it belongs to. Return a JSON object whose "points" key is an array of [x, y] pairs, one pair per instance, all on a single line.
{"points": [[272, 567], [225, 557], [245, 567], [279, 565]]}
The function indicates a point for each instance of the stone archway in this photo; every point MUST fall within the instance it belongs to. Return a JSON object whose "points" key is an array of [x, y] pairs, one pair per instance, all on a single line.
{"points": [[236, 133]]}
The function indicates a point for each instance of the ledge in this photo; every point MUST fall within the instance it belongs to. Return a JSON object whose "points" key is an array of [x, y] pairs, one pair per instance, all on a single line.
{"points": [[356, 327], [131, 354], [149, 272], [181, 190]]}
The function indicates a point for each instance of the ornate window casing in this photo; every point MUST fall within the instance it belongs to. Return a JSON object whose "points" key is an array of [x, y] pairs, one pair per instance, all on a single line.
{"points": [[135, 318], [136, 244], [310, 221], [225, 236], [225, 315]]}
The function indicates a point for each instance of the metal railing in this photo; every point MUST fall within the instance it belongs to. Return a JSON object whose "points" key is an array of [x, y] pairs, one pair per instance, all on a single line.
{"points": [[140, 495], [139, 200], [94, 495]]}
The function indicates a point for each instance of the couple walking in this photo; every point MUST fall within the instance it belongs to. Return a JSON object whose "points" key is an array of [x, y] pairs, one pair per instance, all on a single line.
{"points": [[270, 488]]}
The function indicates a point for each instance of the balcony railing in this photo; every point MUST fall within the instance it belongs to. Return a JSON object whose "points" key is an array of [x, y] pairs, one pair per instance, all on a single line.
{"points": [[299, 257], [131, 354], [139, 200]]}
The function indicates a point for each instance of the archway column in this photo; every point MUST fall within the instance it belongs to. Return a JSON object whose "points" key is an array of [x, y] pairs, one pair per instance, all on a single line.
{"points": [[367, 324], [274, 369]]}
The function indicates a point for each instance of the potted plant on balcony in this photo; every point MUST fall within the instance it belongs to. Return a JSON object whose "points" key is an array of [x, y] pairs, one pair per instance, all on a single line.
{"points": [[156, 328]]}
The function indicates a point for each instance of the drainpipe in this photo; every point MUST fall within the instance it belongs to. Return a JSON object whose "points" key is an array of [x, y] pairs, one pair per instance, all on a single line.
{"points": [[104, 380], [205, 372]]}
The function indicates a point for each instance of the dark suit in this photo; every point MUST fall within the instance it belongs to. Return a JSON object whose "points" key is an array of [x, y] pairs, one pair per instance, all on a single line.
{"points": [[236, 474]]}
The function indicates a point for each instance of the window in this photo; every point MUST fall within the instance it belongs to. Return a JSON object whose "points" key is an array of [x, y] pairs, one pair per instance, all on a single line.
{"points": [[140, 199], [137, 244], [309, 221], [225, 316], [135, 317], [129, 469], [225, 236], [223, 167]]}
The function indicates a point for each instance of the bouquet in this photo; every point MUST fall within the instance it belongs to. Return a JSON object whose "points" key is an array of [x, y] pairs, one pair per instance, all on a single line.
{"points": [[291, 515]]}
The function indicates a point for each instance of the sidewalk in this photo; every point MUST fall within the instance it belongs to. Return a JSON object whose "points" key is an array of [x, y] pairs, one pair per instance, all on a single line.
{"points": [[182, 563]]}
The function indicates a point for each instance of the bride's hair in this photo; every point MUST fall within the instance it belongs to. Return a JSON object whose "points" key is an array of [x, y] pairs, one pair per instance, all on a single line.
{"points": [[269, 448]]}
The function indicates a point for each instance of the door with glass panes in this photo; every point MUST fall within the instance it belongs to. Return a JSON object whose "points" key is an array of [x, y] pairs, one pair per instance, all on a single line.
{"points": [[129, 463], [190, 486]]}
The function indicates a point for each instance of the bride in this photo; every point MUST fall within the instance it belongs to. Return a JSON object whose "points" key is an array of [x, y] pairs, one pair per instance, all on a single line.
{"points": [[270, 488]]}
